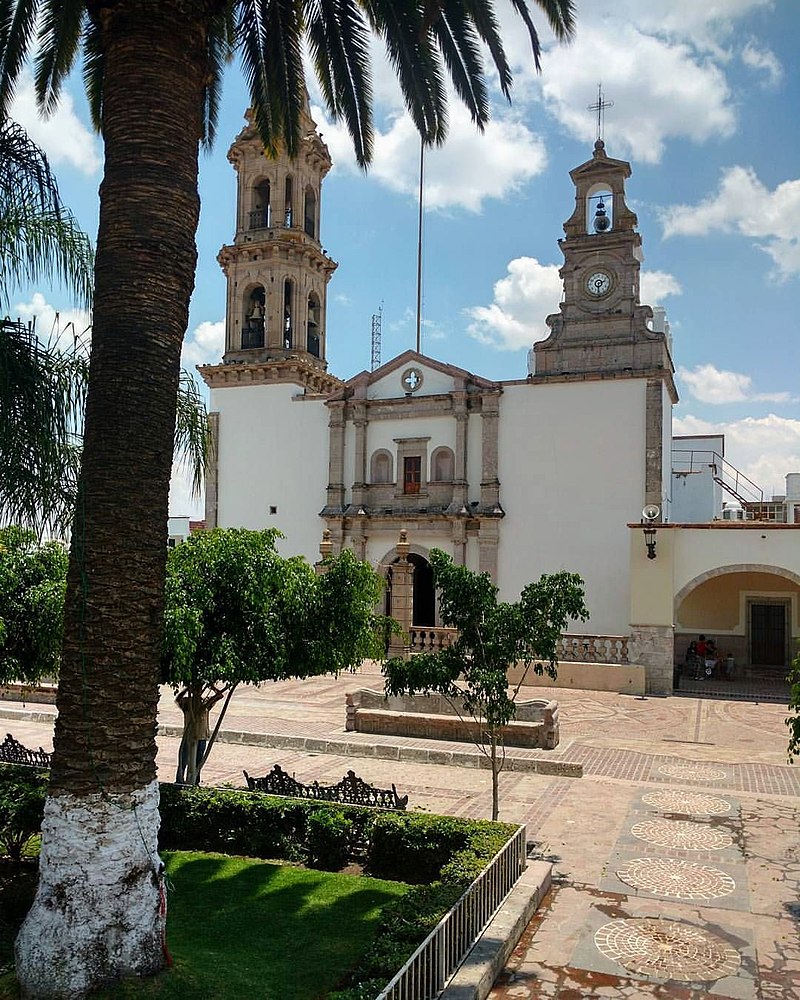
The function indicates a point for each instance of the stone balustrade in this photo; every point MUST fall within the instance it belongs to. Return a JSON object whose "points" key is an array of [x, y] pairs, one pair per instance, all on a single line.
{"points": [[593, 649], [427, 639]]}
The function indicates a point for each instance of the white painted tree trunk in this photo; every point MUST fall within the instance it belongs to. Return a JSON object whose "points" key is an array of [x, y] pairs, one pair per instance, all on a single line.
{"points": [[100, 910]]}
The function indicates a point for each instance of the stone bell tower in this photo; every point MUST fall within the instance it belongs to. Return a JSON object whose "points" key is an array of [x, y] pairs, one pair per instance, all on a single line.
{"points": [[602, 327], [276, 269]]}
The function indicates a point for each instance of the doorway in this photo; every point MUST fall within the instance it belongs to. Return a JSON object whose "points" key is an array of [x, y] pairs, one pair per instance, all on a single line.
{"points": [[768, 633]]}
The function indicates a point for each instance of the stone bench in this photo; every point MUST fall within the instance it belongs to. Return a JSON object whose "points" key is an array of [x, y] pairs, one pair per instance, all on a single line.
{"points": [[433, 717]]}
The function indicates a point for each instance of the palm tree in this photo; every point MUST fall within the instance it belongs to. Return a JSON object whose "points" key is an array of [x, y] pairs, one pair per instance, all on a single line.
{"points": [[153, 70], [43, 383]]}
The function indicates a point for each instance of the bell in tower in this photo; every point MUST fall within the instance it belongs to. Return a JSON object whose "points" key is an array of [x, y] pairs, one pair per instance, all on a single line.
{"points": [[602, 327], [276, 270]]}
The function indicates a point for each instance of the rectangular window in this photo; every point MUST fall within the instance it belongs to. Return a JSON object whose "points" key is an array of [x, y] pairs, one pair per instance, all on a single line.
{"points": [[412, 473]]}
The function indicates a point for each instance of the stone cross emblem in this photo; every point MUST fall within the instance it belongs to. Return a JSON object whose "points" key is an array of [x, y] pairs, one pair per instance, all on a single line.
{"points": [[412, 379]]}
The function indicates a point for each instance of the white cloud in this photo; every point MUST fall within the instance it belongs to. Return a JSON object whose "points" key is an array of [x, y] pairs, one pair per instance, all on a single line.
{"points": [[54, 325], [468, 169], [743, 204], [765, 449], [763, 60], [515, 319], [63, 136], [204, 346], [655, 286], [661, 89], [709, 384]]}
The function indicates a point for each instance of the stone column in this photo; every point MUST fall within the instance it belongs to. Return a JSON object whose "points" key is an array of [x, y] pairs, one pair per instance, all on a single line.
{"points": [[653, 647], [212, 475], [654, 443], [458, 531], [402, 598], [336, 427], [460, 482], [490, 484], [360, 471], [488, 539]]}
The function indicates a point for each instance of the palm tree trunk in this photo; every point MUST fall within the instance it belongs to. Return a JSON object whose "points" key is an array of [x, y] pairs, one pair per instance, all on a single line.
{"points": [[98, 914]]}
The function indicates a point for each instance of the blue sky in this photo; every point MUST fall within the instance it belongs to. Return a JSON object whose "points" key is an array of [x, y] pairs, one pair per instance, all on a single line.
{"points": [[706, 100]]}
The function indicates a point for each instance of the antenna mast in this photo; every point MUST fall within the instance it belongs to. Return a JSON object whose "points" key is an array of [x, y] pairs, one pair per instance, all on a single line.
{"points": [[376, 338]]}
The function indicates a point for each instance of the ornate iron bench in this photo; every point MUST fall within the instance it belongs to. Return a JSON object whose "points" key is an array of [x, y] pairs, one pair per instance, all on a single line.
{"points": [[13, 752], [351, 790]]}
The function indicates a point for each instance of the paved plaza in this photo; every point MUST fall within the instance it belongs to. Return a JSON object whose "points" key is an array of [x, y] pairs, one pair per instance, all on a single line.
{"points": [[676, 855]]}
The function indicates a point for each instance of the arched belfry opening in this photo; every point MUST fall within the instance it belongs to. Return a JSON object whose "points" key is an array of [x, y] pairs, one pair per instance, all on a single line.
{"points": [[288, 202], [288, 313], [260, 216], [599, 210], [313, 325], [310, 213], [254, 319]]}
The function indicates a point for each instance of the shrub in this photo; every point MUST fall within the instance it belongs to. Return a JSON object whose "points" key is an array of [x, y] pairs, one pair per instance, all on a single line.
{"points": [[328, 838], [22, 793]]}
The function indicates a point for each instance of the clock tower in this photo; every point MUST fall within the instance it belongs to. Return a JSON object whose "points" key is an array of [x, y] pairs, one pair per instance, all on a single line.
{"points": [[601, 327]]}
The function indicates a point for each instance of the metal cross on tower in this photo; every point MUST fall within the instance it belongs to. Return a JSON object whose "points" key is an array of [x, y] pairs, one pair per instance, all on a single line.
{"points": [[600, 106]]}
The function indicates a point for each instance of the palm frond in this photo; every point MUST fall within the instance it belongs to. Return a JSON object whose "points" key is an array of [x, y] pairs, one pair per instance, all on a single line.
{"points": [[58, 40], [43, 245], [220, 52], [269, 36], [417, 62], [42, 394], [338, 39], [560, 15], [17, 23], [488, 29], [460, 47], [93, 70], [25, 176], [194, 442]]}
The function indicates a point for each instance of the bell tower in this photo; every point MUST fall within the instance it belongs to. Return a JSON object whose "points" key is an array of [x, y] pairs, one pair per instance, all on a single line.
{"points": [[276, 269], [602, 327]]}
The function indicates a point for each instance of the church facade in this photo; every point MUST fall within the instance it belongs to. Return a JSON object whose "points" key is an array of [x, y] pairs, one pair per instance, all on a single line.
{"points": [[516, 478]]}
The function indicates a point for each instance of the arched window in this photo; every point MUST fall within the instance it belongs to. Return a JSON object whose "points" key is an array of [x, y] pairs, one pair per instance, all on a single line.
{"points": [[260, 215], [442, 465], [313, 331], [254, 318], [599, 210], [287, 203], [288, 313], [380, 467], [310, 213]]}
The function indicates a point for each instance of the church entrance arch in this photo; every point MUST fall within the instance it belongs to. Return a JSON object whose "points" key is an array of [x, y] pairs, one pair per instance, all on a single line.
{"points": [[423, 594]]}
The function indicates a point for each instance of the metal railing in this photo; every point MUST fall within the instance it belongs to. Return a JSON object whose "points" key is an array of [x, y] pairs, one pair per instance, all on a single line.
{"points": [[728, 476], [425, 974]]}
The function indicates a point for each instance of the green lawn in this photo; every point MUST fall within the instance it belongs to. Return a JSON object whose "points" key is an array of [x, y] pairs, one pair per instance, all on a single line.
{"points": [[240, 928]]}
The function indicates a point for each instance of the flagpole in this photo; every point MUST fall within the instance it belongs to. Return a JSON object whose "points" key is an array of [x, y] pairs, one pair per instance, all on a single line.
{"points": [[419, 246]]}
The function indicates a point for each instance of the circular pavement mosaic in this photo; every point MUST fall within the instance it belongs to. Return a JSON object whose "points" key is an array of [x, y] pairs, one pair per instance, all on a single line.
{"points": [[687, 803], [683, 834], [676, 879], [667, 949], [692, 772]]}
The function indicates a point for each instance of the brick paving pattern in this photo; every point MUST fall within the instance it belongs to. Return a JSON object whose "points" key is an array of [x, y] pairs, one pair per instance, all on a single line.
{"points": [[746, 942]]}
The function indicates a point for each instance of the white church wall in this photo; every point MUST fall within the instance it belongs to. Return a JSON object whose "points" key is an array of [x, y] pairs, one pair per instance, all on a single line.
{"points": [[571, 469], [666, 453], [273, 452]]}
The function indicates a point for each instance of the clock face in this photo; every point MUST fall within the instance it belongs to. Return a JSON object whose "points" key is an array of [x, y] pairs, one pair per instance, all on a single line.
{"points": [[598, 284]]}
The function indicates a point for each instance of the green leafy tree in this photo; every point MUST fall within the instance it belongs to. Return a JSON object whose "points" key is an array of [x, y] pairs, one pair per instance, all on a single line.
{"points": [[493, 635], [33, 578], [238, 612], [153, 71]]}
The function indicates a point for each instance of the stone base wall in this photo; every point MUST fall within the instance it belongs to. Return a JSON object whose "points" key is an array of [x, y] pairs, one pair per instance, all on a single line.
{"points": [[625, 678], [433, 717], [653, 647]]}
